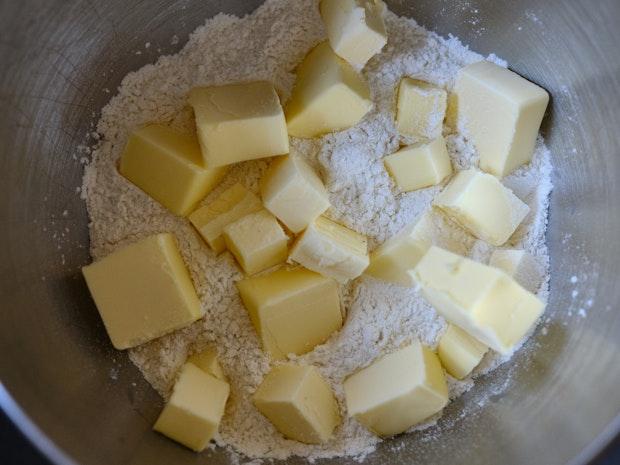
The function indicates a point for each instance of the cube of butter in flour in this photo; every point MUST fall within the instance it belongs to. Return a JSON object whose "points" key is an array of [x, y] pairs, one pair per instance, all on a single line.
{"points": [[293, 192], [459, 352], [207, 361], [168, 166], [355, 28], [143, 291], [482, 300], [502, 113], [329, 95], [232, 204], [332, 250], [239, 122], [421, 109], [292, 310], [482, 205], [195, 409], [420, 165], [257, 241], [299, 403], [520, 265], [397, 391]]}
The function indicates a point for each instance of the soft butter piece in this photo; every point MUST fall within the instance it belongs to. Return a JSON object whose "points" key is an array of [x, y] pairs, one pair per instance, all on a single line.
{"points": [[397, 391], [329, 95], [480, 299], [502, 112], [207, 361], [292, 310], [239, 122], [143, 291], [355, 28], [459, 352], [420, 165], [168, 166], [299, 403], [482, 205], [293, 192], [195, 409], [420, 109], [232, 204], [520, 265], [332, 250]]}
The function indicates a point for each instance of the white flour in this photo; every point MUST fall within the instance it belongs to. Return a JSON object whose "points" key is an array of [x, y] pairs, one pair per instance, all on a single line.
{"points": [[380, 317]]}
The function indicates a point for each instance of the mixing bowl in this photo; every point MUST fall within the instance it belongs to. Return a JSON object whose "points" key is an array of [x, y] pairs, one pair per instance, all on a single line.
{"points": [[80, 401]]}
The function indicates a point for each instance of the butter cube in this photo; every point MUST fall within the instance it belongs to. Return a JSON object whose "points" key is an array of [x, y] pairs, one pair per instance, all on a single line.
{"points": [[293, 310], [479, 299], [421, 109], [299, 403], [332, 250], [233, 204], [168, 166], [420, 165], [520, 265], [143, 291], [257, 241], [328, 96], [239, 122], [207, 361], [355, 28], [293, 192], [482, 205], [195, 409], [502, 112], [459, 352], [397, 391]]}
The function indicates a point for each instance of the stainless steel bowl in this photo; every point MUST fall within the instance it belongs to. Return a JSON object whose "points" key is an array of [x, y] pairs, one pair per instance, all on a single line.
{"points": [[72, 394]]}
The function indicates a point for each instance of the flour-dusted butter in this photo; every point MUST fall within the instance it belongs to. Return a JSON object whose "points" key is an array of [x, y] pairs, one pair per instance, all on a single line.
{"points": [[293, 310], [459, 352], [397, 391], [329, 95], [299, 403], [482, 205], [502, 112], [239, 122], [482, 300], [143, 291], [520, 265], [207, 361], [168, 166], [421, 108]]}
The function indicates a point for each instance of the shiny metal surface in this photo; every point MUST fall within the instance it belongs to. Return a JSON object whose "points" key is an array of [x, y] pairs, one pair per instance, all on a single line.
{"points": [[73, 394]]}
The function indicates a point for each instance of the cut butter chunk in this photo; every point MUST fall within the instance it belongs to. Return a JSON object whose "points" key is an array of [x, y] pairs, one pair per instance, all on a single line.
{"points": [[421, 109], [168, 166], [299, 403], [329, 95], [293, 192], [520, 265], [143, 291], [293, 310], [207, 361], [192, 415], [482, 300], [239, 122], [502, 112], [482, 205], [459, 352], [397, 391], [332, 250]]}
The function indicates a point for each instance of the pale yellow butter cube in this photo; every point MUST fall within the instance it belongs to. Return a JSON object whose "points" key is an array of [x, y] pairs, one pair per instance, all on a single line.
{"points": [[397, 391], [299, 403], [420, 165], [482, 205], [502, 113], [355, 28], [257, 241], [480, 299], [195, 409], [520, 265], [293, 310], [329, 95], [421, 108], [207, 361], [332, 250], [293, 192], [143, 291], [239, 122], [210, 220], [168, 166], [459, 352]]}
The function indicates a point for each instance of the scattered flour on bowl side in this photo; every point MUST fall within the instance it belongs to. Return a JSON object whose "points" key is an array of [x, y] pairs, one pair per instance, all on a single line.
{"points": [[380, 317]]}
